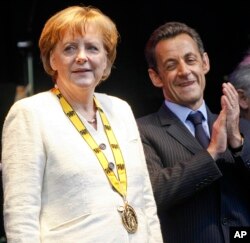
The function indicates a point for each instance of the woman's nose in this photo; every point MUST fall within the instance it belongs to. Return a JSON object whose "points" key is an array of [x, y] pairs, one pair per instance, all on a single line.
{"points": [[81, 57]]}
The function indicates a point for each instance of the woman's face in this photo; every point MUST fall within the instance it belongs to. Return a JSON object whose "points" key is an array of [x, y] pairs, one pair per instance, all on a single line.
{"points": [[79, 61]]}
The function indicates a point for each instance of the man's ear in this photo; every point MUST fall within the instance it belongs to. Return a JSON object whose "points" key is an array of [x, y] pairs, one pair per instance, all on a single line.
{"points": [[206, 63], [155, 78], [243, 99]]}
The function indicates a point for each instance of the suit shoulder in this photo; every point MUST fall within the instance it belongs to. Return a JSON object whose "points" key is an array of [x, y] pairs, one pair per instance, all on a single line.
{"points": [[114, 100], [114, 105], [150, 118], [34, 102]]}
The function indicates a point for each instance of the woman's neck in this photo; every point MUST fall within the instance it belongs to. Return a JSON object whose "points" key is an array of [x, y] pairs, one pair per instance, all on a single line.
{"points": [[81, 101]]}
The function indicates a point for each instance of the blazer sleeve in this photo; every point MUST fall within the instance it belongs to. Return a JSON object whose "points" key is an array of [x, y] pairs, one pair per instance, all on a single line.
{"points": [[23, 167], [150, 208]]}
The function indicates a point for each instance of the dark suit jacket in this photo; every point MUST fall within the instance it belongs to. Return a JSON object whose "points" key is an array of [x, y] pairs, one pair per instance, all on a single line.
{"points": [[198, 198]]}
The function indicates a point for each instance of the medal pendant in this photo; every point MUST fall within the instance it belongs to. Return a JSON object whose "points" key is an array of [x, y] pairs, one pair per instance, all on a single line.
{"points": [[129, 218]]}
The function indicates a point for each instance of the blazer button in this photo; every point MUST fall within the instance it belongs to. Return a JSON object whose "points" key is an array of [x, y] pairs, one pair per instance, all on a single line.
{"points": [[102, 146], [111, 165]]}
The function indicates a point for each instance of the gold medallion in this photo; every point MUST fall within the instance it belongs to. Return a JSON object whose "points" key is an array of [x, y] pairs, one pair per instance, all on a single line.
{"points": [[129, 218]]}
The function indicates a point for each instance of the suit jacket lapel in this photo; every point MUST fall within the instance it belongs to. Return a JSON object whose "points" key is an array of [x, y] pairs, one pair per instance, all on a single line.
{"points": [[174, 127]]}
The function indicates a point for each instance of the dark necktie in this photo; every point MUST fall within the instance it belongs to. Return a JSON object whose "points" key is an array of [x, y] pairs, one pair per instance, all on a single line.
{"points": [[200, 134]]}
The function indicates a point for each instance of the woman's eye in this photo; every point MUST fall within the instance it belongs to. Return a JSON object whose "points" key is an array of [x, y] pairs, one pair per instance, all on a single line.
{"points": [[69, 49], [92, 48]]}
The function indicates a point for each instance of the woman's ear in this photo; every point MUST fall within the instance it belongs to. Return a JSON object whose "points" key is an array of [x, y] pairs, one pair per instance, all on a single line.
{"points": [[52, 61], [155, 78]]}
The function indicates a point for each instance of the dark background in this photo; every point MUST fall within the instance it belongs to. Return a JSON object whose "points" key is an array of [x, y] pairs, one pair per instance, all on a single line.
{"points": [[223, 26], [224, 29]]}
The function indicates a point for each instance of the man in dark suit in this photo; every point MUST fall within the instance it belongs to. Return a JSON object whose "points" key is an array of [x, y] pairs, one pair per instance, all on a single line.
{"points": [[200, 191]]}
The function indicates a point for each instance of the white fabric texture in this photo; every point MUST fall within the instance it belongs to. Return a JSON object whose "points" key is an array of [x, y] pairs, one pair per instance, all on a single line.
{"points": [[55, 189]]}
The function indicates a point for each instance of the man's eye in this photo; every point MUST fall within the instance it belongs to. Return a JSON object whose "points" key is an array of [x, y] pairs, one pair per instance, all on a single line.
{"points": [[191, 61], [170, 67]]}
